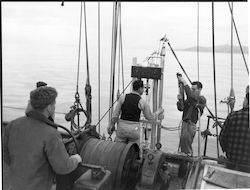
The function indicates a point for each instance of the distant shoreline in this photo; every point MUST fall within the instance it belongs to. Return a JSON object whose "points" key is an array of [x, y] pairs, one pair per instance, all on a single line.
{"points": [[219, 49]]}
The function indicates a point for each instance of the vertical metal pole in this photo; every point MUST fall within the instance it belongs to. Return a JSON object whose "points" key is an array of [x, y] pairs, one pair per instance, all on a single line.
{"points": [[153, 130], [199, 133], [205, 146], [161, 89]]}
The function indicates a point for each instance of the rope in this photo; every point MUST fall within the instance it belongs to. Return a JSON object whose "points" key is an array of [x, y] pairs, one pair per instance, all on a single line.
{"points": [[238, 38], [87, 86], [179, 62], [79, 49], [187, 75], [113, 56], [232, 49], [171, 128], [77, 96], [99, 68], [25, 109], [119, 54], [215, 100], [198, 64], [113, 104], [87, 59]]}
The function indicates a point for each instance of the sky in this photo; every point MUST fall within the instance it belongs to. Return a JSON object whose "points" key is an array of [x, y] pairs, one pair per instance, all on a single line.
{"points": [[143, 23]]}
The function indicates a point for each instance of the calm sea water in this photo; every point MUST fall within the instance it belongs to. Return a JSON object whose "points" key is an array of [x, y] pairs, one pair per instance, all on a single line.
{"points": [[57, 65]]}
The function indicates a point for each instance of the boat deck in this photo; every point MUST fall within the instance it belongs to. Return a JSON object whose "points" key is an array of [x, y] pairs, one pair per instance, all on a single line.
{"points": [[176, 183]]}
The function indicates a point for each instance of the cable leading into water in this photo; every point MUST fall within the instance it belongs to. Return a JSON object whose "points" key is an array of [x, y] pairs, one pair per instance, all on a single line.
{"points": [[79, 50], [238, 39], [214, 72]]}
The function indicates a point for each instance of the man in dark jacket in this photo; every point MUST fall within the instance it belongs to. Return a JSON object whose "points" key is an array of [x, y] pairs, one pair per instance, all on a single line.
{"points": [[29, 107], [193, 108], [235, 138], [33, 148]]}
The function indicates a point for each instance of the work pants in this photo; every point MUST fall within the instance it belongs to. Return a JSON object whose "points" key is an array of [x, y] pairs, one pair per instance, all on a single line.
{"points": [[188, 131], [128, 131]]}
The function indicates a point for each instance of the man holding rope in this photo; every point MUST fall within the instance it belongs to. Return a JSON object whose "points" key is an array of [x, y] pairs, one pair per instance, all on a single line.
{"points": [[193, 108]]}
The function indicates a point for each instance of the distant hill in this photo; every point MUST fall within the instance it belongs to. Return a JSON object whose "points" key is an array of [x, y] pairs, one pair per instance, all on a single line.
{"points": [[219, 49]]}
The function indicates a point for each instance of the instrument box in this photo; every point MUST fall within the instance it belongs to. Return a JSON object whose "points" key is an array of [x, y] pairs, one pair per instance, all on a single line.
{"points": [[86, 182]]}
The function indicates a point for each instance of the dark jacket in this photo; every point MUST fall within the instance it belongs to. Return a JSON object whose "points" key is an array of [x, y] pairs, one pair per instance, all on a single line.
{"points": [[191, 106], [235, 137], [35, 152]]}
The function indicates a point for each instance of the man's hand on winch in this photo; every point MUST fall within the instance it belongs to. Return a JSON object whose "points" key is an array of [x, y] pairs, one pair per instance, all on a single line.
{"points": [[78, 157]]}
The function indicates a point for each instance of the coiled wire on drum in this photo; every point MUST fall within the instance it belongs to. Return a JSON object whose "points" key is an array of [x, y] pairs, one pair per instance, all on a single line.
{"points": [[115, 157]]}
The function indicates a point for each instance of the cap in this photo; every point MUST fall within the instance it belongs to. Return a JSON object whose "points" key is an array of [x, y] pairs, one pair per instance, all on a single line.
{"points": [[41, 83]]}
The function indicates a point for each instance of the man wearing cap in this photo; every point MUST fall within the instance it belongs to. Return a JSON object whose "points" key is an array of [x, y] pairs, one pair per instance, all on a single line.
{"points": [[127, 114], [33, 148], [235, 138]]}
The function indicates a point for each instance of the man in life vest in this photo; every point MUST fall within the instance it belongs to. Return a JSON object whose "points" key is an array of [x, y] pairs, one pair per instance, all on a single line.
{"points": [[128, 112], [193, 105]]}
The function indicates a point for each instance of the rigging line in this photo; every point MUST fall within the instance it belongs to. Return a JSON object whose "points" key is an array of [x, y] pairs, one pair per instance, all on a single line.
{"points": [[215, 100], [79, 49], [99, 68], [87, 86], [119, 54], [187, 75], [113, 103], [121, 50], [113, 56], [238, 38], [86, 43], [198, 68], [232, 48], [122, 63], [179, 62], [25, 109]]}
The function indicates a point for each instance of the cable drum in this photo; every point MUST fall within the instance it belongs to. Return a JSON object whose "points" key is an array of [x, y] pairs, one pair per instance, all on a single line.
{"points": [[115, 157]]}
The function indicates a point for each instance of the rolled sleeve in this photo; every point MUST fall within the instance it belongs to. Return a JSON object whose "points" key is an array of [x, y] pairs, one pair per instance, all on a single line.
{"points": [[117, 111], [146, 111]]}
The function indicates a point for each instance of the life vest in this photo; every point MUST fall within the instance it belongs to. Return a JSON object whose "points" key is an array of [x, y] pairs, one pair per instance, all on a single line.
{"points": [[129, 108]]}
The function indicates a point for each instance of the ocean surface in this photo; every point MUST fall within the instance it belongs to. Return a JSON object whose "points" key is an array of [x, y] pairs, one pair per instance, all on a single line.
{"points": [[24, 65]]}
